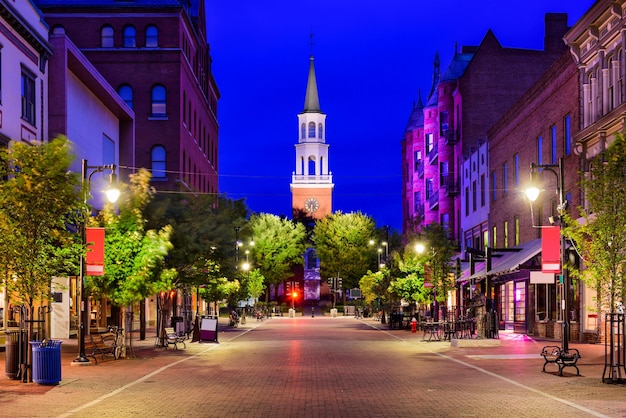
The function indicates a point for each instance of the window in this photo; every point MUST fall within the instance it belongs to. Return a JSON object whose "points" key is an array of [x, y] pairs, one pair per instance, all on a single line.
{"points": [[516, 158], [516, 231], [443, 119], [430, 142], [417, 160], [320, 131], [417, 201], [467, 201], [505, 178], [505, 228], [106, 37], [126, 93], [28, 96], [429, 188], [553, 144], [159, 162], [158, 97], [495, 234], [130, 37], [311, 129], [303, 131], [567, 131], [494, 185], [152, 36], [474, 191], [540, 150], [483, 190]]}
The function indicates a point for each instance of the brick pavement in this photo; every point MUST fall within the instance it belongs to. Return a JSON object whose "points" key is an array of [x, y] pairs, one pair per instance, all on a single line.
{"points": [[311, 367]]}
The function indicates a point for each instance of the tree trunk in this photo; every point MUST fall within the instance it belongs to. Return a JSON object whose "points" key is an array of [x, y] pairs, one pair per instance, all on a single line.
{"points": [[142, 320]]}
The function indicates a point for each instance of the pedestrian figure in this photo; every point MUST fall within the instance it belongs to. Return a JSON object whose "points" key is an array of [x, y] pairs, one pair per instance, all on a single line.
{"points": [[479, 302]]}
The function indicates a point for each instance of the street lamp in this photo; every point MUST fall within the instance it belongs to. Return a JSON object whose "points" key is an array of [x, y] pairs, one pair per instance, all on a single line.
{"points": [[533, 193], [112, 194]]}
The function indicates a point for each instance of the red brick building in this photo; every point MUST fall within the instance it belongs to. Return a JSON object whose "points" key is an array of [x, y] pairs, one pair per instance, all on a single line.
{"points": [[538, 129], [478, 86], [155, 54]]}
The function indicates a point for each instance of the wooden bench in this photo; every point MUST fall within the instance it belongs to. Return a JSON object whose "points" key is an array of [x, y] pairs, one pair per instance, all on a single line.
{"points": [[171, 337], [101, 344], [560, 357]]}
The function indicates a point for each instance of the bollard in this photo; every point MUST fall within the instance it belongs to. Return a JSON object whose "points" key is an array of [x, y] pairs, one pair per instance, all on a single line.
{"points": [[312, 312]]}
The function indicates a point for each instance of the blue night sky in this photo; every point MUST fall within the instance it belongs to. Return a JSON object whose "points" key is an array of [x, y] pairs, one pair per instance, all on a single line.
{"points": [[371, 58]]}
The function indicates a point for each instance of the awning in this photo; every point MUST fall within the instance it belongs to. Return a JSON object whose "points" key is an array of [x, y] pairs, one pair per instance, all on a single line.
{"points": [[505, 262]]}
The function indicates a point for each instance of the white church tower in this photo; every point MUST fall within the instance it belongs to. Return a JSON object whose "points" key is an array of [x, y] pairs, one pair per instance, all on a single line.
{"points": [[312, 182]]}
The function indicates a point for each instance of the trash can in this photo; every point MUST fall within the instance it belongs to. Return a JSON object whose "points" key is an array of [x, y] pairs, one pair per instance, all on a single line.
{"points": [[46, 361], [13, 354], [175, 321]]}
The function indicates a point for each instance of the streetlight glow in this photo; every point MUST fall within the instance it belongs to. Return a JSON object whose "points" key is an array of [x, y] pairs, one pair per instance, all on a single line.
{"points": [[532, 193], [419, 248]]}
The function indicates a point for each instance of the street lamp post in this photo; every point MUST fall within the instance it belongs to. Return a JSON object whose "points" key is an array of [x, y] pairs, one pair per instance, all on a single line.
{"points": [[533, 193], [112, 195]]}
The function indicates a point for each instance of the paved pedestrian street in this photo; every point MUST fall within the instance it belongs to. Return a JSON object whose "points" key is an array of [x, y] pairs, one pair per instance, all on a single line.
{"points": [[322, 367]]}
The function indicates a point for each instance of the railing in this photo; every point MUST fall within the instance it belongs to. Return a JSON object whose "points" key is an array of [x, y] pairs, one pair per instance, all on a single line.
{"points": [[302, 179], [433, 153], [451, 136], [451, 185], [433, 199]]}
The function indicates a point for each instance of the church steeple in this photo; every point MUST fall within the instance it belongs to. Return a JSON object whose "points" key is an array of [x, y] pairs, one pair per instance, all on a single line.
{"points": [[436, 74], [312, 180], [311, 99]]}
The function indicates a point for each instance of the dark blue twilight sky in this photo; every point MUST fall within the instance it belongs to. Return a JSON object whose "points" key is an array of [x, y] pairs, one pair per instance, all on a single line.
{"points": [[371, 57]]}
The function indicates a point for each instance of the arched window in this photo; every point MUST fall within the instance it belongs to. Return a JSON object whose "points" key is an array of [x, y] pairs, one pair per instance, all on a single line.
{"points": [[311, 129], [311, 165], [159, 162], [106, 37], [320, 131], [159, 102], [152, 36], [130, 37], [126, 93], [303, 131]]}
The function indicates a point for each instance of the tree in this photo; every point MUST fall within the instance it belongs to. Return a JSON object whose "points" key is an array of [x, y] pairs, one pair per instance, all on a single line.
{"points": [[134, 257], [255, 283], [601, 238], [438, 254], [278, 246], [39, 199], [409, 283], [202, 231], [342, 244]]}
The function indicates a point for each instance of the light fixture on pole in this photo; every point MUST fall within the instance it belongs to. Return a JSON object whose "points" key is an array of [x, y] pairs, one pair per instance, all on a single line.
{"points": [[112, 194], [533, 193]]}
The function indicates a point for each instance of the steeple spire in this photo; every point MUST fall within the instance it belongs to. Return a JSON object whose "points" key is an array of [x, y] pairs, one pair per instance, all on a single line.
{"points": [[311, 100], [436, 74]]}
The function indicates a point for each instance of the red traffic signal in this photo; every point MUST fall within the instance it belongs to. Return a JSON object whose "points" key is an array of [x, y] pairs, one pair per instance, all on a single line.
{"points": [[294, 295]]}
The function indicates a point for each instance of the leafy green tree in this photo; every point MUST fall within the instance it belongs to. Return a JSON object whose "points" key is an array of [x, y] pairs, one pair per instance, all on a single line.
{"points": [[255, 283], [438, 253], [203, 229], [409, 282], [601, 238], [39, 198], [375, 287], [342, 244], [279, 245], [134, 256]]}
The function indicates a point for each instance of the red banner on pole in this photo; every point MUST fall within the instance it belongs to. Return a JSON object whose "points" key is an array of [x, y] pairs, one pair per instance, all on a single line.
{"points": [[94, 260], [551, 249]]}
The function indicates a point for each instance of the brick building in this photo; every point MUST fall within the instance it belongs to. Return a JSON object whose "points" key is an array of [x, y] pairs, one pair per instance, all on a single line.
{"points": [[479, 85], [155, 55], [538, 129]]}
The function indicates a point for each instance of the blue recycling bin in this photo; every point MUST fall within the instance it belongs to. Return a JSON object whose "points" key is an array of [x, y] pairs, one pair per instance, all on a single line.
{"points": [[46, 361]]}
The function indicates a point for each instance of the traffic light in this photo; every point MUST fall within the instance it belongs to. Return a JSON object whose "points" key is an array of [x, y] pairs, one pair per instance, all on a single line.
{"points": [[339, 283]]}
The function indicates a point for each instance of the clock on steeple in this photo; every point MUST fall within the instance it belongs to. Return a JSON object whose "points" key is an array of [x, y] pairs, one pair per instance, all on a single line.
{"points": [[312, 182]]}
